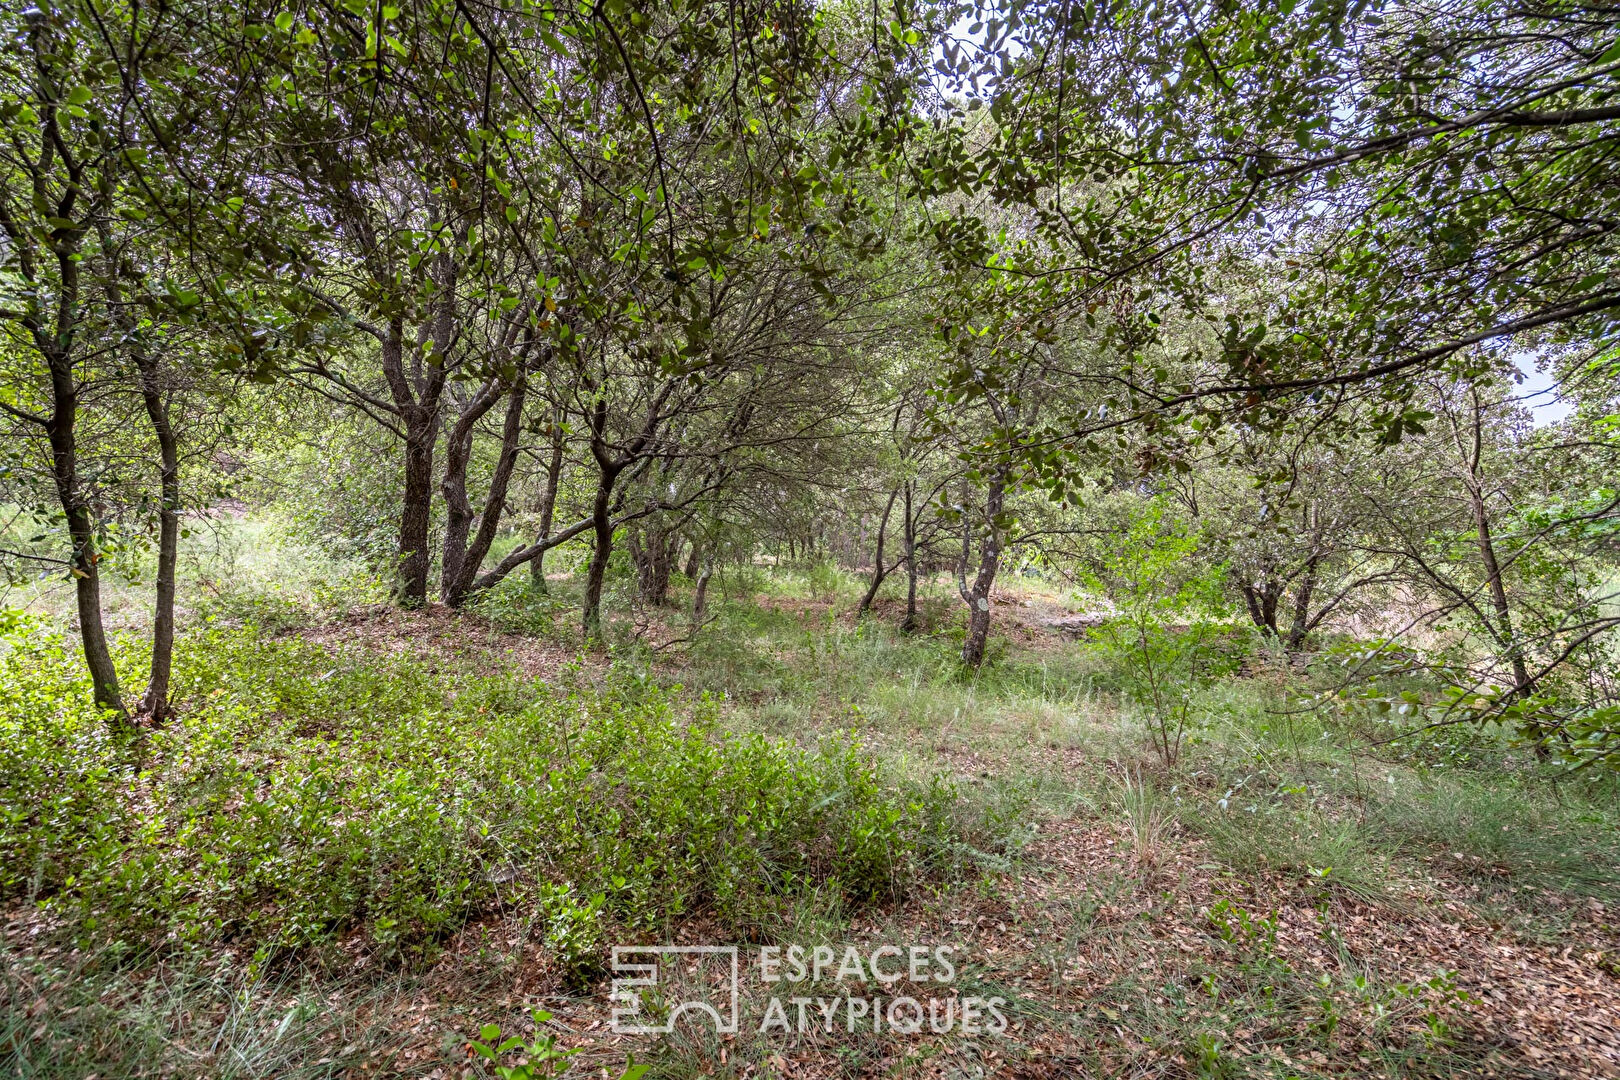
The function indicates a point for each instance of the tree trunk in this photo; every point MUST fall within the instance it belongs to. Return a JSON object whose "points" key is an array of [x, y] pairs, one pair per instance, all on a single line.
{"points": [[82, 534], [652, 552], [978, 597], [1261, 601], [700, 597], [156, 702], [1503, 629], [634, 548], [458, 584], [458, 511], [417, 407], [1499, 599], [596, 573], [660, 556], [416, 509], [548, 505], [694, 559], [1301, 623], [878, 572], [909, 624]]}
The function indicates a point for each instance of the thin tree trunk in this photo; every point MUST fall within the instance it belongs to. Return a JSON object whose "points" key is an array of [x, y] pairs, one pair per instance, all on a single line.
{"points": [[609, 466], [62, 432], [660, 556], [459, 585], [596, 573], [82, 534], [1301, 622], [548, 505], [1499, 599], [1487, 554], [878, 572], [156, 702], [978, 597], [700, 597], [1503, 630], [458, 511], [909, 624]]}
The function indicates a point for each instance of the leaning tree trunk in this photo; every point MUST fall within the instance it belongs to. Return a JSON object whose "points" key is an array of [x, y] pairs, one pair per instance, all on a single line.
{"points": [[548, 506], [459, 579], [1262, 604], [700, 597], [458, 511], [1503, 629], [1499, 599], [978, 597], [878, 571], [82, 534]]}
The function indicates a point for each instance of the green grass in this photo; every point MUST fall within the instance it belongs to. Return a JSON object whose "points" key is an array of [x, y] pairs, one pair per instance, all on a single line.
{"points": [[789, 774], [307, 792]]}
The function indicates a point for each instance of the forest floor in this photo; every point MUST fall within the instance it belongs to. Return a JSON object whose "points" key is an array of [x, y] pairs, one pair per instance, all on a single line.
{"points": [[1290, 897], [1125, 947]]}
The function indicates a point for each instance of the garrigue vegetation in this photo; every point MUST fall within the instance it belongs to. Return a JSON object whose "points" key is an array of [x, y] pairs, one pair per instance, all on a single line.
{"points": [[1124, 490]]}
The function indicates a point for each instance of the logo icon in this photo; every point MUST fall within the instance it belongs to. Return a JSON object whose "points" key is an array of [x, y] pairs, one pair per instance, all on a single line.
{"points": [[653, 960]]}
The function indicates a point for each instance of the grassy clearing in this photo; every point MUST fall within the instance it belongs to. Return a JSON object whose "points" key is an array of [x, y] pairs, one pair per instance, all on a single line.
{"points": [[346, 856]]}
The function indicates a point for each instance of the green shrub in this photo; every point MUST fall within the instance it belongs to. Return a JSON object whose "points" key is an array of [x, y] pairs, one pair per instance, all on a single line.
{"points": [[304, 792], [1166, 639]]}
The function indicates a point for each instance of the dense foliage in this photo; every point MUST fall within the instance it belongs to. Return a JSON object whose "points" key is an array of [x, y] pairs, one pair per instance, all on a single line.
{"points": [[802, 369]]}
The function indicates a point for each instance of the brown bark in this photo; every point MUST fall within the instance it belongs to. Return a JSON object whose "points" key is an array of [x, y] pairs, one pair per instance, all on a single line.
{"points": [[1499, 599], [700, 597], [1301, 623], [977, 598], [458, 511], [461, 566], [653, 552], [548, 504], [601, 551], [418, 411], [156, 702], [60, 185], [909, 623], [878, 570], [81, 533], [1503, 630], [1261, 601], [609, 466]]}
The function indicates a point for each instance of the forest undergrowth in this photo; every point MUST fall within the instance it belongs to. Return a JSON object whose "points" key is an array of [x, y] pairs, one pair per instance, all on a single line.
{"points": [[369, 833]]}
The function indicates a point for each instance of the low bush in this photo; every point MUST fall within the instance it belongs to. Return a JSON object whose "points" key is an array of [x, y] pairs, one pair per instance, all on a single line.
{"points": [[306, 792]]}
